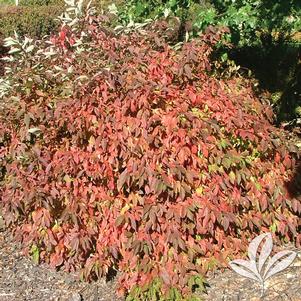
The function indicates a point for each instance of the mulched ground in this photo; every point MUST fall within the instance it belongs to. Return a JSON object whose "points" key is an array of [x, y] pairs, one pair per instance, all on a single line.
{"points": [[284, 286], [22, 280]]}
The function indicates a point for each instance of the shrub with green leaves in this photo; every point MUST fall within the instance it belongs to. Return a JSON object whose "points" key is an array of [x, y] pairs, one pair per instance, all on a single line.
{"points": [[35, 21], [250, 22], [42, 2]]}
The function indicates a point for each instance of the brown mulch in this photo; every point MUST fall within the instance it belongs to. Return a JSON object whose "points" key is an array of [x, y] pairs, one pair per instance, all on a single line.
{"points": [[22, 280]]}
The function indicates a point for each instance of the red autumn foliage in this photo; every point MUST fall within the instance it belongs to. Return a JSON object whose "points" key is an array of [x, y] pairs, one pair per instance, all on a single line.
{"points": [[151, 166]]}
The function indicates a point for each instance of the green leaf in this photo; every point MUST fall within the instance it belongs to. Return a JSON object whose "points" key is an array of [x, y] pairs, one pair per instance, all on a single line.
{"points": [[232, 177], [35, 253]]}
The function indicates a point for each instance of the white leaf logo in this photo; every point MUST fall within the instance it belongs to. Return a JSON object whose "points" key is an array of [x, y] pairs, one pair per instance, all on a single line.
{"points": [[254, 269], [245, 268]]}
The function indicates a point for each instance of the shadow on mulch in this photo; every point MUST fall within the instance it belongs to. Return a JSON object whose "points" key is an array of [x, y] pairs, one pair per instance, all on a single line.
{"points": [[22, 280]]}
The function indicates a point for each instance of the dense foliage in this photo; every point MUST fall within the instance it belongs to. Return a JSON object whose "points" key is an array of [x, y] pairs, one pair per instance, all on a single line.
{"points": [[264, 36], [35, 21], [250, 21], [120, 152]]}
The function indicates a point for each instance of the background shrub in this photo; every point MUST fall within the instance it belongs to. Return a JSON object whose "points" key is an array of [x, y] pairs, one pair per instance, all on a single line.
{"points": [[120, 152], [250, 22], [36, 18], [35, 21], [42, 2]]}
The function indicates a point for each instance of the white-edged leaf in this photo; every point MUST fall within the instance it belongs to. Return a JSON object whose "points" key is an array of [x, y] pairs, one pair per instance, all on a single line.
{"points": [[265, 251], [26, 41], [166, 12], [16, 35], [29, 48], [34, 130], [73, 22], [58, 68], [118, 27], [10, 42], [245, 268], [186, 36], [285, 259], [8, 69], [7, 59], [80, 4], [254, 244], [113, 9], [14, 50], [49, 53], [82, 77], [89, 4]]}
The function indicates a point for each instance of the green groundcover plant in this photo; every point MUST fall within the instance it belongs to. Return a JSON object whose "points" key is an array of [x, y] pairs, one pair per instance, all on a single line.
{"points": [[120, 152]]}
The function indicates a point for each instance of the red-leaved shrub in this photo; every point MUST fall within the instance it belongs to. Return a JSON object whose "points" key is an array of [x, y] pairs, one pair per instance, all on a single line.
{"points": [[119, 152]]}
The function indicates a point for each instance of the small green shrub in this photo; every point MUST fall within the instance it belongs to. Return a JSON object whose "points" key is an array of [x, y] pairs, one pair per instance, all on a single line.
{"points": [[6, 2], [32, 2], [41, 2], [33, 21]]}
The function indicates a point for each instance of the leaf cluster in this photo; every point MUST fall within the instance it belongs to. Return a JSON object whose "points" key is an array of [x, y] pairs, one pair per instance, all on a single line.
{"points": [[250, 22]]}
